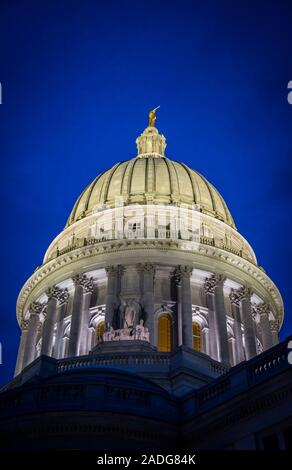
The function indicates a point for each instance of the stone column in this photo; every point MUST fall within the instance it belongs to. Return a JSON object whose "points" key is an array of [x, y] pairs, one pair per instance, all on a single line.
{"points": [[80, 281], [49, 324], [88, 290], [235, 308], [30, 345], [147, 271], [274, 330], [91, 338], [183, 277], [232, 351], [214, 284], [63, 302], [262, 310], [179, 311], [21, 348], [248, 323], [112, 291], [205, 340], [213, 348]]}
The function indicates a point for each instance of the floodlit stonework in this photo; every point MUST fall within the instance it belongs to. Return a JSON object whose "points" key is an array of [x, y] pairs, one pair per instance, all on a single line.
{"points": [[150, 294], [153, 232]]}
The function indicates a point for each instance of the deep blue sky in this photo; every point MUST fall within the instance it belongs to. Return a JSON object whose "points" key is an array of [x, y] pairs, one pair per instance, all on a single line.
{"points": [[79, 78]]}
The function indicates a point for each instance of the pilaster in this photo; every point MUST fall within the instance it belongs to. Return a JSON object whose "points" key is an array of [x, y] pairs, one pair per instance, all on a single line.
{"points": [[21, 348], [234, 297], [262, 310], [53, 294], [214, 285], [61, 313], [36, 309], [147, 271], [244, 294], [182, 276], [82, 283]]}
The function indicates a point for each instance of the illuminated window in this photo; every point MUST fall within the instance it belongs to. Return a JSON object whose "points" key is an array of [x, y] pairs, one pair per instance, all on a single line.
{"points": [[164, 333], [196, 336], [100, 331]]}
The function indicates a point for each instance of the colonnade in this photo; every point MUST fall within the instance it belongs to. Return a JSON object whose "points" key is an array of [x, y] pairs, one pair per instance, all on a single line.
{"points": [[47, 319]]}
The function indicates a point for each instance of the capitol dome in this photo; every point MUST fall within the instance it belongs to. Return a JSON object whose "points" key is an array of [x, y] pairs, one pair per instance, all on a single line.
{"points": [[149, 261], [151, 178]]}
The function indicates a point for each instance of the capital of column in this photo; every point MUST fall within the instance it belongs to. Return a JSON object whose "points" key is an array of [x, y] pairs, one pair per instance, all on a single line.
{"points": [[44, 311], [274, 326], [24, 324], [114, 269], [234, 297], [84, 281], [54, 292], [64, 297], [148, 268], [182, 272], [36, 308], [254, 313], [262, 308], [244, 293], [213, 281]]}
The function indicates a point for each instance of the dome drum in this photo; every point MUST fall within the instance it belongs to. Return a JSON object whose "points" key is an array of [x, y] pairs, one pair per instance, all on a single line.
{"points": [[150, 289], [151, 221]]}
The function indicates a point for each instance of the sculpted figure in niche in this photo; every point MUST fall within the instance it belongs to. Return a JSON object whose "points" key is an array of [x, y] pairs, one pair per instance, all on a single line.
{"points": [[129, 313]]}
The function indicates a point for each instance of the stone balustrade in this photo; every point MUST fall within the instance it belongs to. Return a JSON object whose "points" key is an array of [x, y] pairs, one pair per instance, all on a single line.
{"points": [[111, 235]]}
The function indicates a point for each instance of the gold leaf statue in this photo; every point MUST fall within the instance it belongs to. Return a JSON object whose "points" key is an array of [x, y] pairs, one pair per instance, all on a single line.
{"points": [[152, 117]]}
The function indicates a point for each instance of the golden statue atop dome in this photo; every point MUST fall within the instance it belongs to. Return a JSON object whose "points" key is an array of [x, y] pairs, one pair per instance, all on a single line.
{"points": [[152, 117]]}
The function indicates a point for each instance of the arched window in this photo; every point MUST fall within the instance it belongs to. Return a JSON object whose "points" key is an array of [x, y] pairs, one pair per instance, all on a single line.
{"points": [[196, 336], [165, 333], [100, 331]]}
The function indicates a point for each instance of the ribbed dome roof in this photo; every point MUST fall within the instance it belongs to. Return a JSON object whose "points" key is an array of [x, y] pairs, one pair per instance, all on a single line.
{"points": [[151, 178]]}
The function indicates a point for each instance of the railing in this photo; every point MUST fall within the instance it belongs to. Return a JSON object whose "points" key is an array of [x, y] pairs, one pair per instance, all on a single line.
{"points": [[246, 374], [268, 363], [218, 368], [213, 391], [125, 359], [159, 234]]}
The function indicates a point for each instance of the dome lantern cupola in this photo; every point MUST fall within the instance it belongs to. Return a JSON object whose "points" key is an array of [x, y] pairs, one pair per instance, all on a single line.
{"points": [[150, 142]]}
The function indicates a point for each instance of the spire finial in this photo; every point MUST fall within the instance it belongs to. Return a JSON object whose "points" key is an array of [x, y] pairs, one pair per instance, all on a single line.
{"points": [[152, 117]]}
